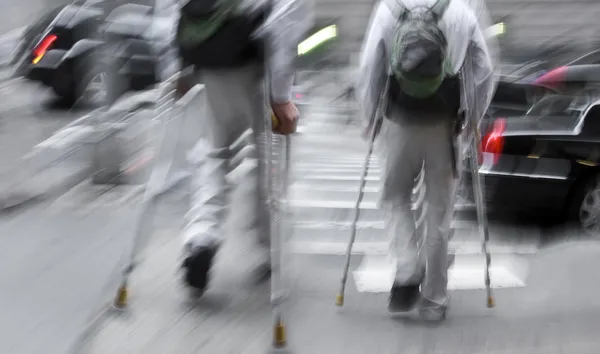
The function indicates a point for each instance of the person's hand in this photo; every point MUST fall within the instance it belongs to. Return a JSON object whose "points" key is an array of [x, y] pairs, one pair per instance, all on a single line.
{"points": [[287, 118]]}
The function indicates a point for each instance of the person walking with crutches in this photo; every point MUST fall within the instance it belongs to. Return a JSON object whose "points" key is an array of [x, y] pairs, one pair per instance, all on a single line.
{"points": [[413, 53], [229, 44]]}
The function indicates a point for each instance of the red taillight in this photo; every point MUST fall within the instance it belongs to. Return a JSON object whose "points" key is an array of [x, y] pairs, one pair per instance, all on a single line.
{"points": [[42, 48], [553, 78], [493, 142]]}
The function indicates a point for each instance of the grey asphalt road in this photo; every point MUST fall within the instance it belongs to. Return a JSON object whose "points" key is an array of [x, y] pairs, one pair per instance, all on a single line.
{"points": [[38, 264], [56, 260], [32, 298], [28, 116], [63, 253], [557, 312]]}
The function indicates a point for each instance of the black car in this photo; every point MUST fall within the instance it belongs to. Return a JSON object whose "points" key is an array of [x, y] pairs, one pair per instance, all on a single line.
{"points": [[90, 50], [546, 162], [519, 88]]}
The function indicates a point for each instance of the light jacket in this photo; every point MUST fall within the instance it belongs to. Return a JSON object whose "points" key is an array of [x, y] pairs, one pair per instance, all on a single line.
{"points": [[465, 38]]}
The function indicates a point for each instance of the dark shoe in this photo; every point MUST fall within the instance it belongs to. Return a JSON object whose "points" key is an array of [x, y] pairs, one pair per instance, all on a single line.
{"points": [[403, 298], [197, 266], [262, 273]]}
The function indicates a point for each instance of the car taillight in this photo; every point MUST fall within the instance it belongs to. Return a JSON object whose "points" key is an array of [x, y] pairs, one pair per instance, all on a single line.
{"points": [[553, 78], [492, 143], [43, 47]]}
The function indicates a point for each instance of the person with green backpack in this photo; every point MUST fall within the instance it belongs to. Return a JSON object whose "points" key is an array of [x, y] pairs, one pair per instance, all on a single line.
{"points": [[411, 65], [234, 46]]}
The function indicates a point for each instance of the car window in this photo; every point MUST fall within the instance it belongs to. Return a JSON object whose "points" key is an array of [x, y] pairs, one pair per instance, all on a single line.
{"points": [[558, 112]]}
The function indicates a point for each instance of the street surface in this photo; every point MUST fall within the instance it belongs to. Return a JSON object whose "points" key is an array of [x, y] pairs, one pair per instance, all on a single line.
{"points": [[546, 299]]}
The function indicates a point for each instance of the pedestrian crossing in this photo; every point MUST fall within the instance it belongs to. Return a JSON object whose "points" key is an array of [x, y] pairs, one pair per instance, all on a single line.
{"points": [[323, 196], [328, 162]]}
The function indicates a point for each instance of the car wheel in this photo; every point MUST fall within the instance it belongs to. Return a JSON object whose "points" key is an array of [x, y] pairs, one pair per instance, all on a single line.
{"points": [[92, 89], [586, 206]]}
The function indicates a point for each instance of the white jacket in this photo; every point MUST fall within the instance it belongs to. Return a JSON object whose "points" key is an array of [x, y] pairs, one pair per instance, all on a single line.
{"points": [[463, 33]]}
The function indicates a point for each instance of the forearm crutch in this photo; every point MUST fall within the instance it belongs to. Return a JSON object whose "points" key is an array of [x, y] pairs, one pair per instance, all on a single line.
{"points": [[280, 214], [375, 126], [277, 180], [157, 179], [478, 189]]}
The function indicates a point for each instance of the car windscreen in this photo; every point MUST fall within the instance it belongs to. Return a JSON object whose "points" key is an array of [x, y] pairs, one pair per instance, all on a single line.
{"points": [[557, 112]]}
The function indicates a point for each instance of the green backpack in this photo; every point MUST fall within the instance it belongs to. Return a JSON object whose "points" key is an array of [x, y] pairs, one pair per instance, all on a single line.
{"points": [[418, 56]]}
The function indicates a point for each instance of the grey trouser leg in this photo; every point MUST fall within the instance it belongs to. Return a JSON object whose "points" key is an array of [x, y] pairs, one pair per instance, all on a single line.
{"points": [[401, 164], [403, 149], [235, 102], [440, 194]]}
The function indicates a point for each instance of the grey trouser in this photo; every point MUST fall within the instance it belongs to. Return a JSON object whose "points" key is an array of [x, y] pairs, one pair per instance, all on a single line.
{"points": [[235, 102], [404, 149]]}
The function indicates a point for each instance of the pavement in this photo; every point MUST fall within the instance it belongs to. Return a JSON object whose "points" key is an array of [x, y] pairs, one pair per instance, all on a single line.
{"points": [[546, 296]]}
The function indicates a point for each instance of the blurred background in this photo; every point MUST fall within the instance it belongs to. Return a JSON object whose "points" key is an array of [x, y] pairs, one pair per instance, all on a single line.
{"points": [[87, 97]]}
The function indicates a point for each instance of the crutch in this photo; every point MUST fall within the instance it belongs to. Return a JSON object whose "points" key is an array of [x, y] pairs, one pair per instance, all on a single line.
{"points": [[478, 191], [157, 180], [375, 126], [279, 218], [277, 189]]}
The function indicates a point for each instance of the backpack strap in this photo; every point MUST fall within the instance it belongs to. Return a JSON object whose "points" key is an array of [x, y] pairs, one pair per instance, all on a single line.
{"points": [[397, 8], [439, 8]]}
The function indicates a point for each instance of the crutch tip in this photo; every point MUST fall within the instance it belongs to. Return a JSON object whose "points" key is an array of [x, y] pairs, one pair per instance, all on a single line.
{"points": [[279, 335], [121, 298], [490, 302], [339, 300]]}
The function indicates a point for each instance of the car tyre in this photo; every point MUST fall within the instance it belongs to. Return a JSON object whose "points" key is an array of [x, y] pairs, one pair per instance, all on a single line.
{"points": [[585, 206], [90, 85]]}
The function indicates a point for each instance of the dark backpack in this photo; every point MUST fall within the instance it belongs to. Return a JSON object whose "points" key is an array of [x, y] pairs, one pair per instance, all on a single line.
{"points": [[420, 77], [418, 55], [216, 34]]}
